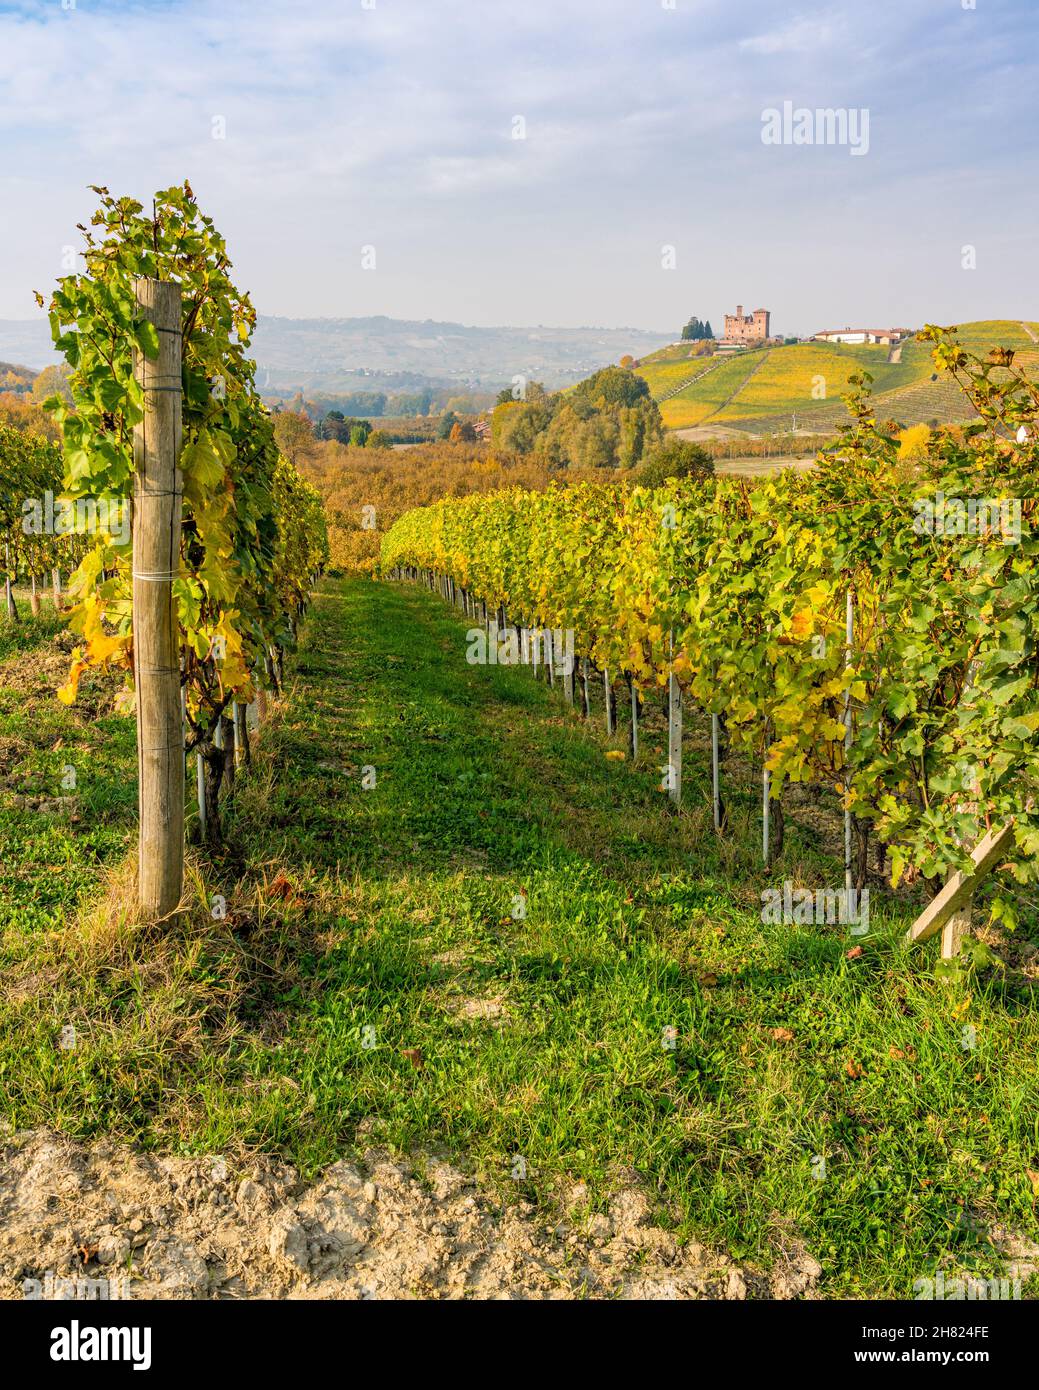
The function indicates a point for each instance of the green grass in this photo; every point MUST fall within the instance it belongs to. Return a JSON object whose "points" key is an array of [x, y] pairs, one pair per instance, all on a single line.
{"points": [[371, 970], [51, 854]]}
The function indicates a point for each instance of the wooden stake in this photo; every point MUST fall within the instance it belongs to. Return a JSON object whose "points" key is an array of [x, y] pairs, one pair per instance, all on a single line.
{"points": [[674, 736], [849, 638], [12, 607], [716, 785], [955, 898], [766, 788], [156, 562], [568, 676], [200, 792]]}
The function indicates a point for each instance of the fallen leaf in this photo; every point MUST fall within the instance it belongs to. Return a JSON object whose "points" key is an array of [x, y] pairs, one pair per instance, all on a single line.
{"points": [[853, 1069], [414, 1056], [783, 1035], [854, 953]]}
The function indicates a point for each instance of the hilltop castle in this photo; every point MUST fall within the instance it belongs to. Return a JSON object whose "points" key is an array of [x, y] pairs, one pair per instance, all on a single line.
{"points": [[750, 329]]}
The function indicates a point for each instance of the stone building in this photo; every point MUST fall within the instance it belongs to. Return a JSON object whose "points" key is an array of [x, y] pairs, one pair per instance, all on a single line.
{"points": [[750, 328]]}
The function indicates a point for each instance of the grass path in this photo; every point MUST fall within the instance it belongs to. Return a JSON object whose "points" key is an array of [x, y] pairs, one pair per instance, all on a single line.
{"points": [[507, 951]]}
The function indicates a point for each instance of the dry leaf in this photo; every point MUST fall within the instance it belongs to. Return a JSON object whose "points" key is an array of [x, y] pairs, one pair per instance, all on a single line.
{"points": [[782, 1035], [853, 1069], [281, 887]]}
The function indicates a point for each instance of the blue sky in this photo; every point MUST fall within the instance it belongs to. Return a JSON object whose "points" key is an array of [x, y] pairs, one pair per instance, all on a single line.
{"points": [[389, 124]]}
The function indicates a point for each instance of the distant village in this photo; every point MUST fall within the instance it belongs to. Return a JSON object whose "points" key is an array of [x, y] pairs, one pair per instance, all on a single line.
{"points": [[743, 331]]}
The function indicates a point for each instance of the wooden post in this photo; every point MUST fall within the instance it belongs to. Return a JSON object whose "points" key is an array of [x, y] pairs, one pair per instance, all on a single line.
{"points": [[568, 675], [766, 787], [674, 735], [955, 929], [633, 742], [611, 704], [56, 586], [716, 783], [156, 562], [550, 662], [200, 792], [12, 607], [953, 903], [849, 638], [585, 693], [239, 742]]}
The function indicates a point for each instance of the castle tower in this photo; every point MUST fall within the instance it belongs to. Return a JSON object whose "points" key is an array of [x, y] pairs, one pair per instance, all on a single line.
{"points": [[747, 328]]}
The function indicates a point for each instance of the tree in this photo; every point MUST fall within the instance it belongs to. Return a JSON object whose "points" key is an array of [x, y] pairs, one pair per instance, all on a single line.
{"points": [[447, 423], [694, 330], [516, 425], [627, 361], [678, 458], [52, 381], [359, 433], [611, 386], [293, 433], [531, 391], [378, 439]]}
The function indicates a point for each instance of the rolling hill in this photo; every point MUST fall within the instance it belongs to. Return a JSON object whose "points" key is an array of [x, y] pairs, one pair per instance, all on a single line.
{"points": [[338, 355], [767, 390]]}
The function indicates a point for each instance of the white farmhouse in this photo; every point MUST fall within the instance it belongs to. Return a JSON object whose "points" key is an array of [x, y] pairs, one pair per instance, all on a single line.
{"points": [[885, 336]]}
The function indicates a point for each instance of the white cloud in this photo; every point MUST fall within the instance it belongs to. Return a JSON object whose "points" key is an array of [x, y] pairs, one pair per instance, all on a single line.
{"points": [[801, 36]]}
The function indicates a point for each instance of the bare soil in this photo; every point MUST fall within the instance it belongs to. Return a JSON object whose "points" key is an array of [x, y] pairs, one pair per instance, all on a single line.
{"points": [[152, 1227]]}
